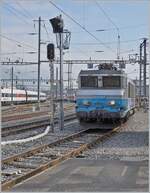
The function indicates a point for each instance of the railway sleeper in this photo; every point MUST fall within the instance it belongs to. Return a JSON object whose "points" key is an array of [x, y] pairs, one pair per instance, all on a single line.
{"points": [[24, 167], [83, 141], [59, 152], [34, 161], [71, 145], [39, 157], [74, 146], [61, 148], [46, 155], [51, 155], [78, 142], [21, 159], [35, 157]]}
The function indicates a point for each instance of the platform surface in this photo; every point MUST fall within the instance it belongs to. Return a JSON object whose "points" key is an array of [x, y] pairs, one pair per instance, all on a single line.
{"points": [[85, 175]]}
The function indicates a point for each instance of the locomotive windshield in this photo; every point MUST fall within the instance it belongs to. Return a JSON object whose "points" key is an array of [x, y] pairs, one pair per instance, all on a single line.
{"points": [[111, 81], [100, 82], [89, 81]]}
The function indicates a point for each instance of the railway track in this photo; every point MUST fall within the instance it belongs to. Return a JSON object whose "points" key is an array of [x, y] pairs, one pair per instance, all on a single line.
{"points": [[18, 168], [26, 115], [32, 124], [17, 109], [23, 116]]}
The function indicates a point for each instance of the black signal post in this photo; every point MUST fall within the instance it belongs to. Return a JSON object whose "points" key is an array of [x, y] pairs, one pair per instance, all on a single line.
{"points": [[51, 57]]}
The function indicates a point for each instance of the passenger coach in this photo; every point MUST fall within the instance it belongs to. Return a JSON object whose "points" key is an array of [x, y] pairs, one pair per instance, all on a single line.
{"points": [[104, 94], [20, 96]]}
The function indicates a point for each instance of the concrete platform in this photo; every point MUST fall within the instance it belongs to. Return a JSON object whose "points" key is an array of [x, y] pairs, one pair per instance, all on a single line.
{"points": [[81, 175]]}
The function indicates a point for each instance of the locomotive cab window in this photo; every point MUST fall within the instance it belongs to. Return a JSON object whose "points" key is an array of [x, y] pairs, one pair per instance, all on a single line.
{"points": [[111, 82], [89, 82]]}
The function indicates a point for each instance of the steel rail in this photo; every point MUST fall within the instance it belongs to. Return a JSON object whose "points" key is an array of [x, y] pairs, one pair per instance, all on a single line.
{"points": [[25, 115], [27, 107], [32, 124], [72, 152]]}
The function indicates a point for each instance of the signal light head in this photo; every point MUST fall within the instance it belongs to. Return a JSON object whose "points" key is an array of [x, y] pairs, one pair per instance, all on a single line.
{"points": [[57, 24], [50, 51]]}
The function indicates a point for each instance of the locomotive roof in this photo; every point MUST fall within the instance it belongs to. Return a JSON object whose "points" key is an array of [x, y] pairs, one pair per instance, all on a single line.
{"points": [[101, 72]]}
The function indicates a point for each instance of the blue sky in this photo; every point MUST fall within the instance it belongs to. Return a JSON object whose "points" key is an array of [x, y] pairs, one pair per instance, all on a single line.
{"points": [[131, 17]]}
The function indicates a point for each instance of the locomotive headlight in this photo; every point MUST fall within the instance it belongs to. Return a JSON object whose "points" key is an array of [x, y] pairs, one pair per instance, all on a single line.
{"points": [[112, 102], [86, 103]]}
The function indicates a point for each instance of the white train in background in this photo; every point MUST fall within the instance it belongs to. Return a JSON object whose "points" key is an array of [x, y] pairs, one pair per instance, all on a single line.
{"points": [[20, 96]]}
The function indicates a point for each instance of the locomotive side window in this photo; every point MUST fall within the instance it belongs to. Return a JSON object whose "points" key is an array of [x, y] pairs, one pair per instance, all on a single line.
{"points": [[111, 82], [89, 81]]}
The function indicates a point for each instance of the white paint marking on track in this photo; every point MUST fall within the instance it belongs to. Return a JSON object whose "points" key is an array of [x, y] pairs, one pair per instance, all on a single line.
{"points": [[27, 139], [124, 171], [32, 138]]}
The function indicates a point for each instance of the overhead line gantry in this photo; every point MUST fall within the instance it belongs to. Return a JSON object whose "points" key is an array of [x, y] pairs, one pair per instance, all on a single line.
{"points": [[70, 62]]}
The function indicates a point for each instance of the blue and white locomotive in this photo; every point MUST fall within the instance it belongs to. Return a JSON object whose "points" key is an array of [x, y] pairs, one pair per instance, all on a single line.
{"points": [[104, 94]]}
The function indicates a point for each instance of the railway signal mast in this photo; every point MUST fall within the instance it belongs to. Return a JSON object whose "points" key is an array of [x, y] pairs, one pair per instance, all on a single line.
{"points": [[62, 43], [57, 24], [51, 56]]}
